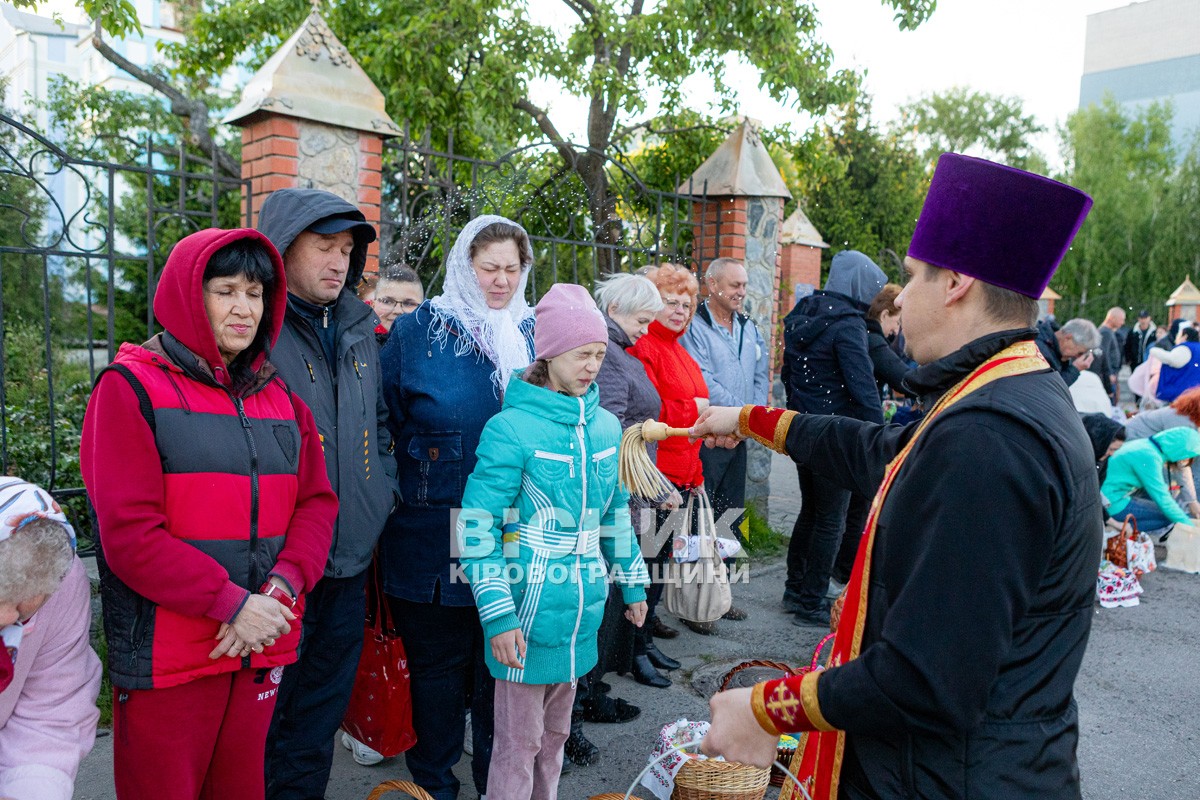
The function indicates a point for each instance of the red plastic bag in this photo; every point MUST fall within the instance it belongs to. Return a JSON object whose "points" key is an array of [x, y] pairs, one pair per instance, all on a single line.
{"points": [[380, 711]]}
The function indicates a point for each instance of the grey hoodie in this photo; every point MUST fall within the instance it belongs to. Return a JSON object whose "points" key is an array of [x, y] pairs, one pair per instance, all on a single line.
{"points": [[856, 276], [345, 397]]}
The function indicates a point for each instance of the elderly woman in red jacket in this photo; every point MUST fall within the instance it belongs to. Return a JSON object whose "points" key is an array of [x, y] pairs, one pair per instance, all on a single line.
{"points": [[215, 518], [684, 394]]}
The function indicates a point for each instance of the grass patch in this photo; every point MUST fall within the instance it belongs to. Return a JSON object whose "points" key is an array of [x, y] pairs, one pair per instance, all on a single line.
{"points": [[761, 540]]}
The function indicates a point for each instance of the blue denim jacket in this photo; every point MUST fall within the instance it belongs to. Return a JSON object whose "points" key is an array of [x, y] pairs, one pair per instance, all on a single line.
{"points": [[438, 404]]}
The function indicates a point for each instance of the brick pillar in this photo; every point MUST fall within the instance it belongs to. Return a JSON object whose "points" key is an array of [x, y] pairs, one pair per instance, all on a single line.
{"points": [[280, 152], [270, 158], [798, 264]]}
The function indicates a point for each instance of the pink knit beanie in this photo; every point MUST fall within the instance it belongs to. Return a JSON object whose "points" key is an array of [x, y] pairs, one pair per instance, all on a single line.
{"points": [[567, 318]]}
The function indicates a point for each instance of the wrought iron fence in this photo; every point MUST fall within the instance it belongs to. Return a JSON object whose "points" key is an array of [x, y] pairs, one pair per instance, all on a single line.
{"points": [[587, 213], [82, 242]]}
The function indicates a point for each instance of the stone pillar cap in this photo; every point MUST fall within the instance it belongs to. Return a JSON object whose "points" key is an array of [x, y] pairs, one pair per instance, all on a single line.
{"points": [[798, 229], [740, 167], [314, 77]]}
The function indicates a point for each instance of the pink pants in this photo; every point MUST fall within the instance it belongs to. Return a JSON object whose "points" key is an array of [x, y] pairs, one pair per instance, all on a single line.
{"points": [[204, 739], [532, 725]]}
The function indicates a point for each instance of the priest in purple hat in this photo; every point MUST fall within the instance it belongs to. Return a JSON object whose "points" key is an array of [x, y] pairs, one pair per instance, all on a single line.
{"points": [[961, 631]]}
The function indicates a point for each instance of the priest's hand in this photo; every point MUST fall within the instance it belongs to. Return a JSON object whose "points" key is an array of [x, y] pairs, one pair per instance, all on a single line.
{"points": [[717, 426], [735, 732]]}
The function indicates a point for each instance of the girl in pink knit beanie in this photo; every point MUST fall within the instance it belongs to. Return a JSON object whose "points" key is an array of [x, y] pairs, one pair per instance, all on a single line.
{"points": [[569, 339]]}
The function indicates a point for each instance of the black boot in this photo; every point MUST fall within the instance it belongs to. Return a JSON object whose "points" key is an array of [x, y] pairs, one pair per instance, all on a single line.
{"points": [[658, 658], [578, 750], [643, 670]]}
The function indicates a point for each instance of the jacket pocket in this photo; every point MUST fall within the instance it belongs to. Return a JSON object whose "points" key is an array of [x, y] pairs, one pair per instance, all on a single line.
{"points": [[549, 468], [433, 476], [606, 463]]}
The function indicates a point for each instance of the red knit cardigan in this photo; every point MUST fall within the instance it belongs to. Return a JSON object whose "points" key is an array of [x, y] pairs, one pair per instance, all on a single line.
{"points": [[677, 378]]}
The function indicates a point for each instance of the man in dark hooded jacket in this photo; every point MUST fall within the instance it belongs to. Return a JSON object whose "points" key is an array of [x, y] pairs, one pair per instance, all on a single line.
{"points": [[328, 356], [827, 369]]}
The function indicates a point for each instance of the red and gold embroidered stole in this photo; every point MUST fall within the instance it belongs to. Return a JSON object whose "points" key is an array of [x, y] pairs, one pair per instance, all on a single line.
{"points": [[818, 759]]}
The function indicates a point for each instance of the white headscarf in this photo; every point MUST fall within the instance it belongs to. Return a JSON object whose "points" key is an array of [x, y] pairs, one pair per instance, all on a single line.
{"points": [[495, 332]]}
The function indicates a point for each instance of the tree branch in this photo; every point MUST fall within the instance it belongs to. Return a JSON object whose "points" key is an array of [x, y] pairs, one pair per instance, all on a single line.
{"points": [[194, 112], [582, 8], [547, 127], [648, 124], [627, 48]]}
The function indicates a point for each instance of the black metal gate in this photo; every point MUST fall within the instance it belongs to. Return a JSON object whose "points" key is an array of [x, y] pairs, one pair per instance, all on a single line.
{"points": [[82, 241], [430, 193]]}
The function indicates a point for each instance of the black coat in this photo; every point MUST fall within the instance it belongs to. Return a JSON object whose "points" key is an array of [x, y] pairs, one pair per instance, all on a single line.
{"points": [[827, 366], [981, 589], [890, 368], [1047, 342]]}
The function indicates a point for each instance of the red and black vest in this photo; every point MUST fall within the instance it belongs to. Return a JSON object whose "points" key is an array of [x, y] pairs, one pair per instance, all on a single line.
{"points": [[230, 480]]}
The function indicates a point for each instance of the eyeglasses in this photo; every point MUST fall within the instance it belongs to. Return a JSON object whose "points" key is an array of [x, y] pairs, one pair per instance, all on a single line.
{"points": [[676, 305], [388, 302]]}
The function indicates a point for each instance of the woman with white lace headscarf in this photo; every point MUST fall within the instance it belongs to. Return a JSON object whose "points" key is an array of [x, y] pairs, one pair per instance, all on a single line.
{"points": [[444, 368]]}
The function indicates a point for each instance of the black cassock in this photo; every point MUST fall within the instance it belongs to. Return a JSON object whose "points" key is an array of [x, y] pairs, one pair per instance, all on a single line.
{"points": [[981, 588]]}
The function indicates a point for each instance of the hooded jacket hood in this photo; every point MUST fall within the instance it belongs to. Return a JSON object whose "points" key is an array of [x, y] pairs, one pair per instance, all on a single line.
{"points": [[854, 275], [550, 405], [179, 298], [1101, 431], [1177, 444], [289, 212]]}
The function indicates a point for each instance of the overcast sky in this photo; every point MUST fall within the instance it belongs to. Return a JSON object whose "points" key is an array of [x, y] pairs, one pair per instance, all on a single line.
{"points": [[1029, 48]]}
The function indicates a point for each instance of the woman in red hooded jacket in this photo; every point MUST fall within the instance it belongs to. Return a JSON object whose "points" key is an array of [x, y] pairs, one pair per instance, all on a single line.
{"points": [[214, 516]]}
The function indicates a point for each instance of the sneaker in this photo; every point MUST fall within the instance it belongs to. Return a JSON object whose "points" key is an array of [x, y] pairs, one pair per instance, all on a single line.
{"points": [[362, 754], [468, 737], [835, 589]]}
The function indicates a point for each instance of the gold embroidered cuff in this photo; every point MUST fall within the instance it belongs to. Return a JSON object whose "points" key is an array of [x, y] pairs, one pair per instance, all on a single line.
{"points": [[744, 422], [808, 699], [759, 706], [767, 426]]}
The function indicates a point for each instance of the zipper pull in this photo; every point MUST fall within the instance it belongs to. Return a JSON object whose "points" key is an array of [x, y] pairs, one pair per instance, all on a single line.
{"points": [[311, 375], [356, 372], [325, 317], [241, 412]]}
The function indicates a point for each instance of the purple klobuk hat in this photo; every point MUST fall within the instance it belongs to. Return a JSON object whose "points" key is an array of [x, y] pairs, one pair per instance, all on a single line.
{"points": [[1005, 226]]}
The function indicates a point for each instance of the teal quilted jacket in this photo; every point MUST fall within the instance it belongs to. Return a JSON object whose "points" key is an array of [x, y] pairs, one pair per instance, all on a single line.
{"points": [[543, 527]]}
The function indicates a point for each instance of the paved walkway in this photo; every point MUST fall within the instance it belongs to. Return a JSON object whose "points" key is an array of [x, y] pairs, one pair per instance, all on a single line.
{"points": [[1138, 692]]}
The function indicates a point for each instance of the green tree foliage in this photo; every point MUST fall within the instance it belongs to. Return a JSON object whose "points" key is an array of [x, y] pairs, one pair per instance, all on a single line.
{"points": [[117, 16], [23, 206], [127, 128], [961, 120], [861, 187], [1126, 162], [470, 66]]}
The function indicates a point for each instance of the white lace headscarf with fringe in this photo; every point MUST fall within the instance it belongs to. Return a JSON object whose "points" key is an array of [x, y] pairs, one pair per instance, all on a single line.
{"points": [[494, 332]]}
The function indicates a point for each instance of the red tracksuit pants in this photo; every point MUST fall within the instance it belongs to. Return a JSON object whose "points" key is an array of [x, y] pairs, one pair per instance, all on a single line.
{"points": [[203, 740]]}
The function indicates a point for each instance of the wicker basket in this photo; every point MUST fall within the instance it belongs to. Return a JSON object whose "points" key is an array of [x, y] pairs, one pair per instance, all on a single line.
{"points": [[411, 789], [720, 780], [613, 796]]}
